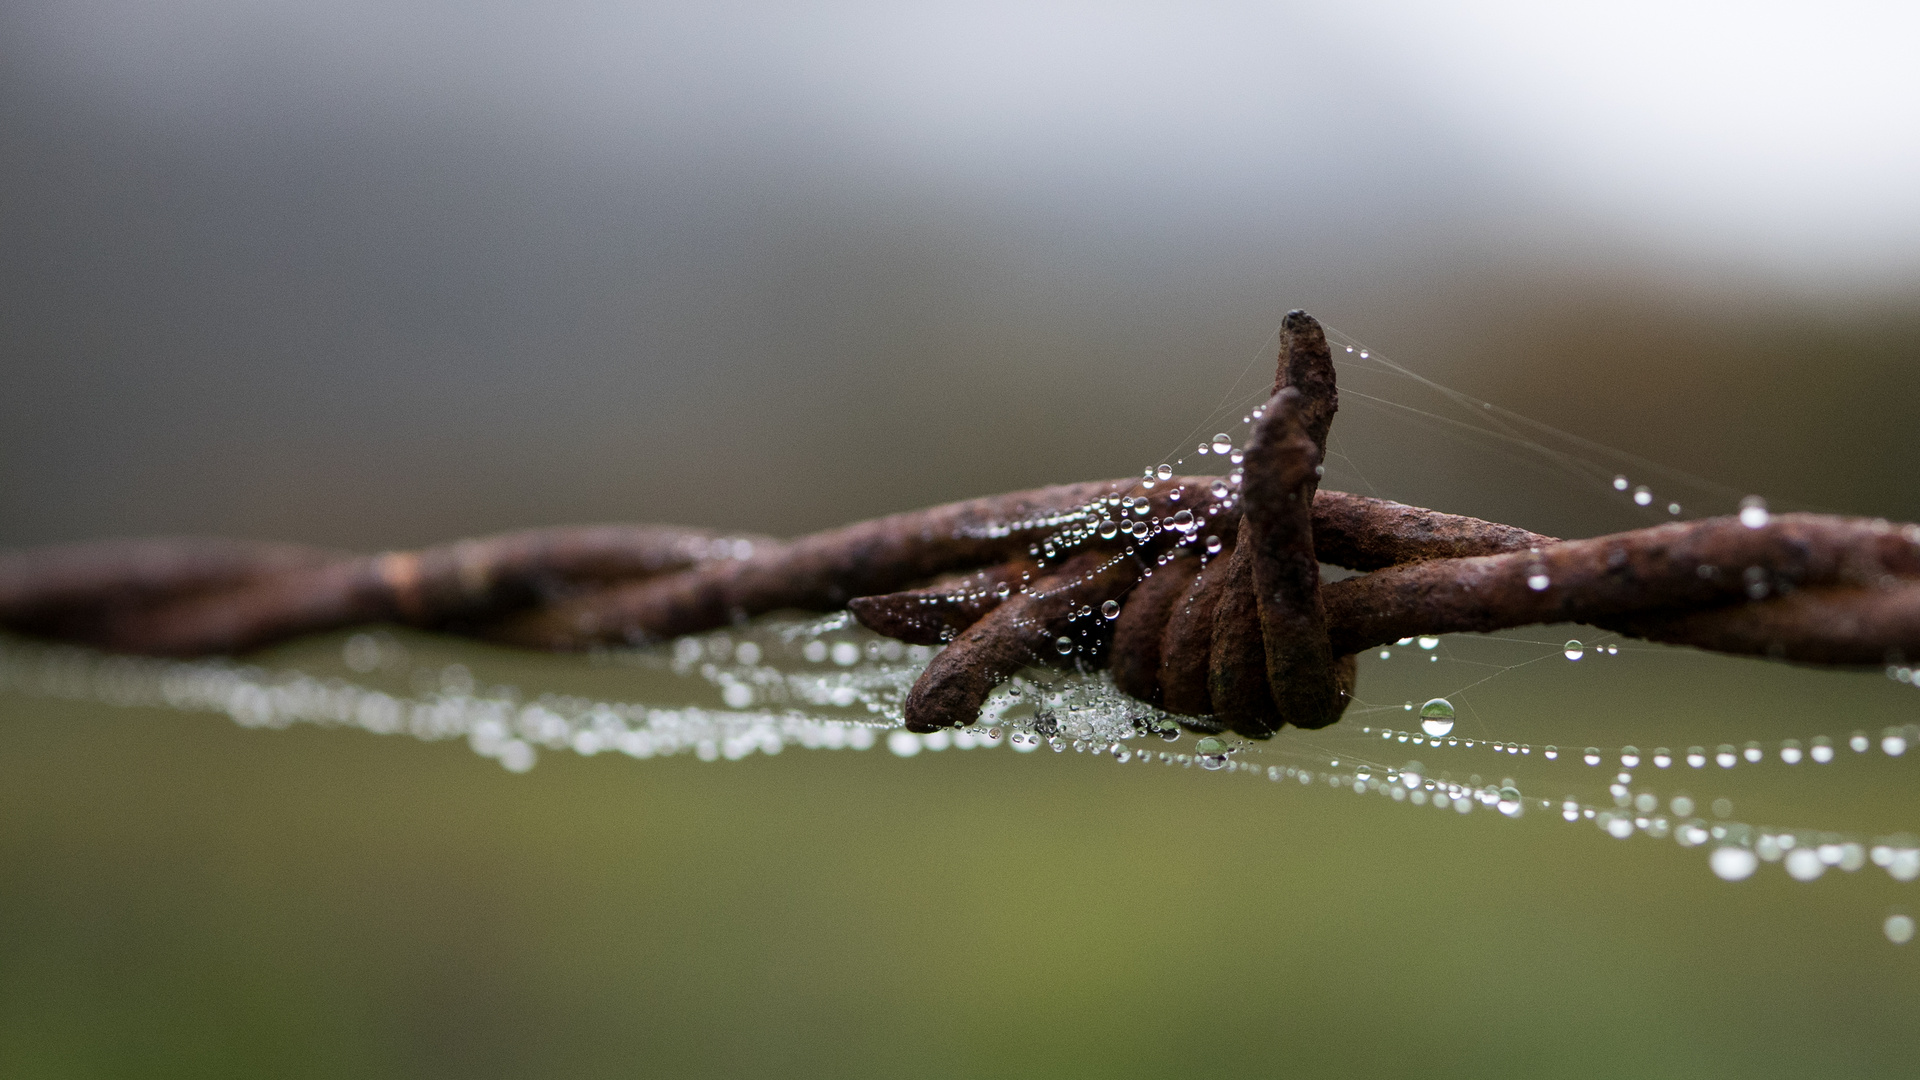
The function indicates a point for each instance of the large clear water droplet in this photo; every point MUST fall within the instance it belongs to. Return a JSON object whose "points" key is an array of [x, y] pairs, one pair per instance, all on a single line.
{"points": [[1575, 650], [1734, 863], [1183, 520], [1108, 529], [1436, 716], [1222, 443], [1212, 752], [1213, 545], [1164, 472], [1063, 645], [1219, 489], [1110, 609], [1753, 512]]}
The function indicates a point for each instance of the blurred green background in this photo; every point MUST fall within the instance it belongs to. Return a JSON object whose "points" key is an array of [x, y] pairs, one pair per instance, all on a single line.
{"points": [[375, 275]]}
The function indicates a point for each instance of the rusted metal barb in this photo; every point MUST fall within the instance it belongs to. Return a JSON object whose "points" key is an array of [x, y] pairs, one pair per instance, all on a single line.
{"points": [[1244, 635]]}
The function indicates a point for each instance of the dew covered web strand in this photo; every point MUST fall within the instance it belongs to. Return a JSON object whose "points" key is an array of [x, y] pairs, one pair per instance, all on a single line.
{"points": [[1427, 731]]}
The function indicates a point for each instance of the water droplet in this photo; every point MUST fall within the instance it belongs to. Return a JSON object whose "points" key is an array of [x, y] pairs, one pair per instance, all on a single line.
{"points": [[1859, 742], [1436, 716], [1629, 757], [1551, 752], [1592, 756], [846, 653], [1893, 742], [1575, 650], [1899, 928], [1538, 580], [1673, 508], [1222, 443], [1696, 757], [1790, 751], [1003, 590], [1619, 483], [1753, 753], [1063, 645], [1822, 750], [1509, 802], [903, 743], [1662, 757], [1429, 642], [1183, 520], [1642, 497], [1211, 751], [1753, 512], [1108, 529], [1804, 864], [1734, 863], [1163, 472], [1110, 609], [1237, 457], [1121, 753], [1213, 545]]}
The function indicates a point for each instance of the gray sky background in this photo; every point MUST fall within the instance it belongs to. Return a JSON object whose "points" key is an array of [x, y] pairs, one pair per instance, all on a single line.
{"points": [[383, 273]]}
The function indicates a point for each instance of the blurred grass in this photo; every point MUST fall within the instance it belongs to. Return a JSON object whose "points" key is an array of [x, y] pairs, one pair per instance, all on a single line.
{"points": [[185, 897]]}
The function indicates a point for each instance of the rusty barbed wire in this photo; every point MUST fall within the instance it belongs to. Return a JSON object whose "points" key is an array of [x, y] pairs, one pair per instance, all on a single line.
{"points": [[1203, 596]]}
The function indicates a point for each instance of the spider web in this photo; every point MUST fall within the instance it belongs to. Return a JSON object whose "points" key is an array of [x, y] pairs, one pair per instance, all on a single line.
{"points": [[1759, 768]]}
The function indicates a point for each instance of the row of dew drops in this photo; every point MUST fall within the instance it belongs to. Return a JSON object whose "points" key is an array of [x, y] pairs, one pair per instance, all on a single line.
{"points": [[1058, 711]]}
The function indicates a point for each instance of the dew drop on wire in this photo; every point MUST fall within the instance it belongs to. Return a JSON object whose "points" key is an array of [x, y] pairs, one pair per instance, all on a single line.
{"points": [[1219, 489], [1213, 545], [1164, 472], [1110, 609], [1753, 512], [1642, 496], [1108, 529], [1436, 716], [1429, 642], [1592, 756], [1575, 650], [1222, 443], [1063, 645]]}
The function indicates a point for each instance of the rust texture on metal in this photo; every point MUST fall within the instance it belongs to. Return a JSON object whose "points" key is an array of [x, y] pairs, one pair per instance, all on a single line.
{"points": [[1245, 636]]}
